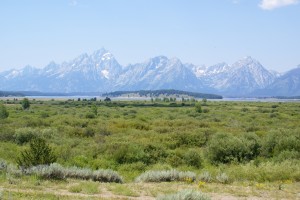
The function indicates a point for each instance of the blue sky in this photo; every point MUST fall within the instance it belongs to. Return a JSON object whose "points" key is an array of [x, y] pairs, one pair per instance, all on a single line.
{"points": [[206, 32]]}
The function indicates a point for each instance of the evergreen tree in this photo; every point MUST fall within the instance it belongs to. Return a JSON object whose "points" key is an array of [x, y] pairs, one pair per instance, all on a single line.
{"points": [[39, 153], [25, 104]]}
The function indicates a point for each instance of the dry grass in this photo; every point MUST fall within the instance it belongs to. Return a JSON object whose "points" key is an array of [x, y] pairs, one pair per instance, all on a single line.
{"points": [[74, 189]]}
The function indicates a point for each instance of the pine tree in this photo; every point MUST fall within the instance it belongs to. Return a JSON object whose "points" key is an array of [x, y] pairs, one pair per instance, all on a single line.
{"points": [[39, 153]]}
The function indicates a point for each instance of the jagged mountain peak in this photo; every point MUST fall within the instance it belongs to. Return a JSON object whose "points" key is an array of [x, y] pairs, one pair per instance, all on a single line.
{"points": [[163, 61], [51, 68], [100, 51], [158, 59], [287, 84], [247, 61], [218, 68], [175, 60], [248, 58], [102, 55], [100, 71]]}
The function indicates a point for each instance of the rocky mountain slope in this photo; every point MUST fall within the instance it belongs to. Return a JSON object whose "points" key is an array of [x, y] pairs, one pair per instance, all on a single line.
{"points": [[101, 72]]}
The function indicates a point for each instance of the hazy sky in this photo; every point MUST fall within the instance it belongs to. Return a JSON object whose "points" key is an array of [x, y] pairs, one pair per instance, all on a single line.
{"points": [[206, 32]]}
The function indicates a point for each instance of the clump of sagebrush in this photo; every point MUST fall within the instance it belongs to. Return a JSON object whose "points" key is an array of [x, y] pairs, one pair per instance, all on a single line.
{"points": [[185, 195], [205, 176], [79, 173], [13, 170], [166, 176], [223, 178], [52, 171], [100, 175], [56, 171], [106, 176]]}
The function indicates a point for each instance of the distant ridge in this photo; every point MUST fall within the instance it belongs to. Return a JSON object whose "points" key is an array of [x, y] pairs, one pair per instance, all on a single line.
{"points": [[157, 93], [45, 94], [11, 94], [100, 72]]}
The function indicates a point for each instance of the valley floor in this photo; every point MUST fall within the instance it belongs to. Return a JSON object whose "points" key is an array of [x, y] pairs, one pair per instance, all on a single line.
{"points": [[74, 189]]}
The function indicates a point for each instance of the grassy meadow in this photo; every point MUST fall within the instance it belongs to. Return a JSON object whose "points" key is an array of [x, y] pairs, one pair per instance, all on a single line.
{"points": [[146, 149]]}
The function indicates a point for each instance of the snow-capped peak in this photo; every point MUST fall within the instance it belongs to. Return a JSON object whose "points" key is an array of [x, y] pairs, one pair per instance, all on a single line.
{"points": [[105, 73], [247, 61], [107, 56]]}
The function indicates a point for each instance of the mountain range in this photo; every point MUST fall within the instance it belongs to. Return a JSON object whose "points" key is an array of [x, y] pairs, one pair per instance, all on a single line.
{"points": [[101, 72]]}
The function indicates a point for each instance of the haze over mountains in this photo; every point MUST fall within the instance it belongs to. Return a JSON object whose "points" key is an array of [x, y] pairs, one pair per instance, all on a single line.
{"points": [[101, 72]]}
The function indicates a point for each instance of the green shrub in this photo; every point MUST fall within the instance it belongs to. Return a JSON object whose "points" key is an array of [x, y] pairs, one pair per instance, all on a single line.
{"points": [[24, 135], [7, 134], [279, 141], [39, 153], [129, 153], [25, 104], [185, 195], [287, 155], [252, 145], [44, 115], [90, 116], [205, 110], [175, 158], [193, 158], [198, 108], [3, 112], [190, 139], [244, 109], [165, 176], [226, 148], [153, 154]]}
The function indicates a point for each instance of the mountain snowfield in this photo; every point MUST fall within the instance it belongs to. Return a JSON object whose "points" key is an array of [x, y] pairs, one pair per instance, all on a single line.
{"points": [[101, 72]]}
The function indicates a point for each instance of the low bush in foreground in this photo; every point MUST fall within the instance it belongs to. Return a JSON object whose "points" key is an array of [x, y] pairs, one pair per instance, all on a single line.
{"points": [[56, 171], [166, 176], [223, 178], [185, 195], [206, 177]]}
